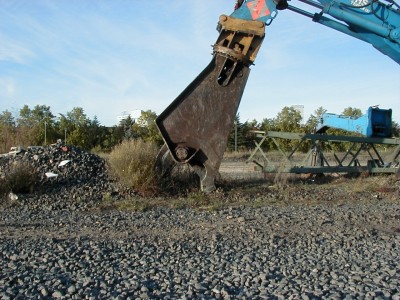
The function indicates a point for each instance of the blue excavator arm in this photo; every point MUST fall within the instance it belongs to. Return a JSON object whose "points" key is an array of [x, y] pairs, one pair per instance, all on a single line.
{"points": [[372, 21], [196, 125]]}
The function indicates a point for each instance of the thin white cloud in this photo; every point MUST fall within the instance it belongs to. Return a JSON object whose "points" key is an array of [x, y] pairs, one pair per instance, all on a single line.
{"points": [[13, 51]]}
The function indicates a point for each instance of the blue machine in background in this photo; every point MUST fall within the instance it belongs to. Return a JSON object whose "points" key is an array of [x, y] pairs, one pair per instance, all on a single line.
{"points": [[375, 123], [359, 154]]}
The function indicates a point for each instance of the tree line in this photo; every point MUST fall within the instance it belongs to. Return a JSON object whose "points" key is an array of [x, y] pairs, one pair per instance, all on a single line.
{"points": [[39, 126]]}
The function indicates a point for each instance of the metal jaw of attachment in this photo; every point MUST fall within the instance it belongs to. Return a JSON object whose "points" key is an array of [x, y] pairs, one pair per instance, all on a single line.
{"points": [[196, 125]]}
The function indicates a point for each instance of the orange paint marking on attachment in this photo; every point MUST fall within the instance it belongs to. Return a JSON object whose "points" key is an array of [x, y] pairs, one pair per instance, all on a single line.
{"points": [[258, 9]]}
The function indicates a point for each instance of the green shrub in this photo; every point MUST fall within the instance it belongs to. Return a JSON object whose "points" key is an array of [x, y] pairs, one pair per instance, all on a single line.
{"points": [[133, 162]]}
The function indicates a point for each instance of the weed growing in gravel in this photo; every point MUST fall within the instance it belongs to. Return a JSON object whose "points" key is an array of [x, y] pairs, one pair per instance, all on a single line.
{"points": [[135, 205], [178, 203], [376, 185], [198, 199], [107, 197], [133, 162], [281, 180]]}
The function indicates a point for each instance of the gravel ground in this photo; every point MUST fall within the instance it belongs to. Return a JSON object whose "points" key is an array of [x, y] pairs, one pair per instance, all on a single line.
{"points": [[345, 249], [285, 240]]}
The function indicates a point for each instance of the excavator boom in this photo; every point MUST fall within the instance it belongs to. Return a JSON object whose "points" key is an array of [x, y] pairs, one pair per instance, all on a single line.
{"points": [[196, 125]]}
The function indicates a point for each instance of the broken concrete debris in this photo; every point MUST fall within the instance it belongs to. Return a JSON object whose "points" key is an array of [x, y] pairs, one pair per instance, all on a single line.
{"points": [[58, 163]]}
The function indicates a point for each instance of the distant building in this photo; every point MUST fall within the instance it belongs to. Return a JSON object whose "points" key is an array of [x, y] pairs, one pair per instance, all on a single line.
{"points": [[134, 114]]}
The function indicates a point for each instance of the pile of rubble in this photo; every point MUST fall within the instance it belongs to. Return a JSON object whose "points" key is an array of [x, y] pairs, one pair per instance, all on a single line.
{"points": [[59, 164], [63, 169]]}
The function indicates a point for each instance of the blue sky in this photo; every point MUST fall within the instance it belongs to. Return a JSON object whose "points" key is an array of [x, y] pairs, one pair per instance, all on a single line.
{"points": [[113, 56]]}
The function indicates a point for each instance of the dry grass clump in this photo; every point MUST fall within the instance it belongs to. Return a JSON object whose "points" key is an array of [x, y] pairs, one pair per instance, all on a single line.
{"points": [[18, 177], [133, 163], [374, 184]]}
